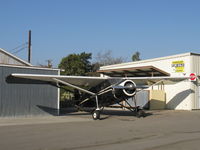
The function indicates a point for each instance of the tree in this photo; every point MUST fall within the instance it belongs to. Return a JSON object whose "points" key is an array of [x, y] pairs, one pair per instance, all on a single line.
{"points": [[103, 59], [94, 68], [48, 65], [136, 56], [76, 64], [107, 59]]}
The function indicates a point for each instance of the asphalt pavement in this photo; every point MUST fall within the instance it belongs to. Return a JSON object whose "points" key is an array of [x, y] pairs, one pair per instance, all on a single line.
{"points": [[117, 130]]}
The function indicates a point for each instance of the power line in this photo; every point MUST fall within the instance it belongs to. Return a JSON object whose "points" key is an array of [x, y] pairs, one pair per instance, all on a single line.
{"points": [[22, 45], [21, 49]]}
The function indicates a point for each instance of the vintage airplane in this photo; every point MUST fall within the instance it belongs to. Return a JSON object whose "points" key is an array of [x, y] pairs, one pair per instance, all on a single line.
{"points": [[99, 92]]}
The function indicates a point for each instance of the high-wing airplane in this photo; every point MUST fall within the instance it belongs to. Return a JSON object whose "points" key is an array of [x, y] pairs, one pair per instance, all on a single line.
{"points": [[99, 92]]}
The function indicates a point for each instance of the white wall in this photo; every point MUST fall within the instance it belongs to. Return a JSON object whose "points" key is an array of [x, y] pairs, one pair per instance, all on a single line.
{"points": [[180, 96]]}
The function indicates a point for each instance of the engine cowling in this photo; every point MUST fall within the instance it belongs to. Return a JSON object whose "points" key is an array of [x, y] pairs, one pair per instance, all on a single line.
{"points": [[125, 89]]}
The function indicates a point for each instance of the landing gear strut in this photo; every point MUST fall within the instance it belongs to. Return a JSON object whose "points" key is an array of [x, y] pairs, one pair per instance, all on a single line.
{"points": [[96, 112], [137, 110]]}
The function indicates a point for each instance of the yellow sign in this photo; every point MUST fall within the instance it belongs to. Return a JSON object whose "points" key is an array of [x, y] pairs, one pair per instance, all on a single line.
{"points": [[178, 66]]}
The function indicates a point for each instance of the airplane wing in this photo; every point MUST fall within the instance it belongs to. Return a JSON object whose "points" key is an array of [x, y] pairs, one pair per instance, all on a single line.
{"points": [[75, 80], [78, 81], [154, 80]]}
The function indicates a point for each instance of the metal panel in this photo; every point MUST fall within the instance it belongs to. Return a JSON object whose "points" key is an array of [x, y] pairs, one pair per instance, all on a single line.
{"points": [[8, 58], [1, 91], [5, 59], [22, 97], [199, 96], [195, 64], [195, 68], [142, 99]]}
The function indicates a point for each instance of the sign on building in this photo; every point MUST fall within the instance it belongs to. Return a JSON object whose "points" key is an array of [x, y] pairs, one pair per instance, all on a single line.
{"points": [[178, 66]]}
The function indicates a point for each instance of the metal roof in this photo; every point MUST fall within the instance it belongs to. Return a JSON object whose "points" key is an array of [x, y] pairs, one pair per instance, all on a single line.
{"points": [[144, 71], [29, 67], [15, 58], [23, 64], [147, 60]]}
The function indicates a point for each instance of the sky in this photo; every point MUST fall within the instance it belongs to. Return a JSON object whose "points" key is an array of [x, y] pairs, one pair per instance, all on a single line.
{"points": [[155, 28]]}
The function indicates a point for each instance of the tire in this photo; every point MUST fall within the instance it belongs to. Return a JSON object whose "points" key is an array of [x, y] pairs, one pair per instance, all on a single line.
{"points": [[96, 115], [140, 113]]}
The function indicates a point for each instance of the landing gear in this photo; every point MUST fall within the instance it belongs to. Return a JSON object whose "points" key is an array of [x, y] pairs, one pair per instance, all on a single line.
{"points": [[96, 114], [137, 110], [140, 113]]}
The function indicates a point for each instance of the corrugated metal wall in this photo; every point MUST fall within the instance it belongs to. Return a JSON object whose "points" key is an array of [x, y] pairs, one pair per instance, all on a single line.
{"points": [[6, 59], [22, 97], [196, 64], [195, 68]]}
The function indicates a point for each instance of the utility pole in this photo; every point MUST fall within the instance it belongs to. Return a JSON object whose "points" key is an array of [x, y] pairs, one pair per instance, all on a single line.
{"points": [[29, 46], [49, 63]]}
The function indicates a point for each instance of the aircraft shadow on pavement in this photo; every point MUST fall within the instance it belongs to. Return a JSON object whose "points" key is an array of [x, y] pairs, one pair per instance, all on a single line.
{"points": [[123, 113], [106, 113], [74, 113], [62, 112], [48, 110]]}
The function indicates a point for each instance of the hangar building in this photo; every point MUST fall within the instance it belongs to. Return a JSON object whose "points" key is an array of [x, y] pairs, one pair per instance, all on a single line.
{"points": [[183, 95], [22, 97]]}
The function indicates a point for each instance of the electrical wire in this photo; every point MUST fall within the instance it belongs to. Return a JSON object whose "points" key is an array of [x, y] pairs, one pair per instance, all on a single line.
{"points": [[19, 50], [22, 45]]}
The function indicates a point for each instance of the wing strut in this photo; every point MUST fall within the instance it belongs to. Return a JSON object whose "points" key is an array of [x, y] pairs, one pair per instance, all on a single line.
{"points": [[75, 87], [96, 113]]}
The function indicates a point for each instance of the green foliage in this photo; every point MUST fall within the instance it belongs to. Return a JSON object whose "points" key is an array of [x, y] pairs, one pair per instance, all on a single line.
{"points": [[76, 64], [136, 56]]}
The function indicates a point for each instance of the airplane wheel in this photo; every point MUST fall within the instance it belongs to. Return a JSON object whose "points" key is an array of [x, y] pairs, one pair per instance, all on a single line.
{"points": [[140, 113], [96, 115]]}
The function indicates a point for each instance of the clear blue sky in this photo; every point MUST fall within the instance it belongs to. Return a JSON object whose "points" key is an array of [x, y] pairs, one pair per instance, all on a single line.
{"points": [[155, 28]]}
